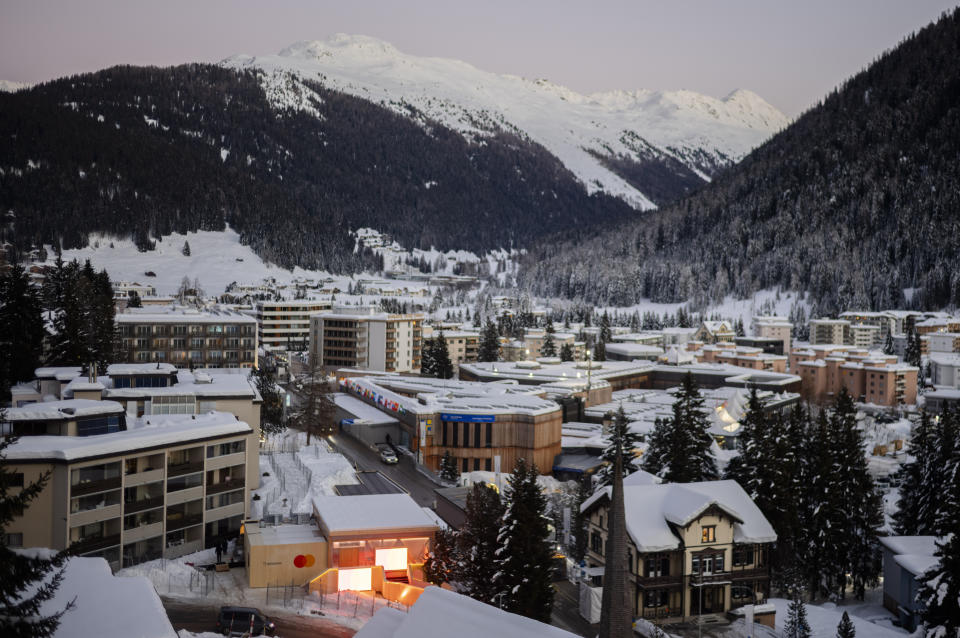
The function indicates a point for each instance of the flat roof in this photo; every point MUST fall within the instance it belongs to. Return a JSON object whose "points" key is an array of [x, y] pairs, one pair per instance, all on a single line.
{"points": [[61, 410], [182, 315], [287, 534], [370, 513], [145, 432]]}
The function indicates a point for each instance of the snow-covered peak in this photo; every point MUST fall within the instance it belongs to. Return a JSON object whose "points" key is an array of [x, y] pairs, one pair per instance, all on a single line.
{"points": [[8, 86], [700, 131]]}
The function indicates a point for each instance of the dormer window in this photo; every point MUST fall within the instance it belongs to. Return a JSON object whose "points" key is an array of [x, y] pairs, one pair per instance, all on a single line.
{"points": [[708, 534]]}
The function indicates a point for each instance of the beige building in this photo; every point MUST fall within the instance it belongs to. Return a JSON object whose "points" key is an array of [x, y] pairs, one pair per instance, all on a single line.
{"points": [[715, 331], [366, 339], [462, 346], [287, 321], [129, 489], [774, 328], [693, 549], [189, 338], [829, 331]]}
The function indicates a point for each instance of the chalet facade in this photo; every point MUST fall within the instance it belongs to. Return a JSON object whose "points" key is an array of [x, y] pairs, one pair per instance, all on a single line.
{"points": [[694, 548]]}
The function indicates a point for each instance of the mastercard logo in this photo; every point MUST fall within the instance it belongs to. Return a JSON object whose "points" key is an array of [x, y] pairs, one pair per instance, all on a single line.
{"points": [[304, 560]]}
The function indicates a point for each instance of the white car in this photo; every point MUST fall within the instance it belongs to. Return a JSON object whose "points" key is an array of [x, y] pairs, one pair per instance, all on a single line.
{"points": [[388, 457]]}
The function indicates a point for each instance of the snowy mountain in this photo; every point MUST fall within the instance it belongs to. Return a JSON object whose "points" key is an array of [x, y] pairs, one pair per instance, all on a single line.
{"points": [[647, 147], [8, 86]]}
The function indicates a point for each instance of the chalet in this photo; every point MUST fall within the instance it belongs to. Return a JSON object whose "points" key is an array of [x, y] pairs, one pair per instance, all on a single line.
{"points": [[693, 549]]}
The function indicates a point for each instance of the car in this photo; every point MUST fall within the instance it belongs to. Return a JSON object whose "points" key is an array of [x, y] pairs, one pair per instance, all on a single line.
{"points": [[244, 621], [388, 457]]}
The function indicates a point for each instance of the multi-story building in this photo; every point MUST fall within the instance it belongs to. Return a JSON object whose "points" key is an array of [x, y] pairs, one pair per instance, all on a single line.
{"points": [[829, 331], [287, 322], [741, 356], [463, 347], [774, 328], [125, 488], [715, 332], [945, 369], [943, 342], [693, 548], [869, 377], [475, 422], [189, 338], [366, 339]]}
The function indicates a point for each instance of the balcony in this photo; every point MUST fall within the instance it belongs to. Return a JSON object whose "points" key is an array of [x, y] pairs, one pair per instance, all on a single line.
{"points": [[92, 487], [94, 544], [653, 582], [184, 468], [226, 486], [179, 522], [132, 507]]}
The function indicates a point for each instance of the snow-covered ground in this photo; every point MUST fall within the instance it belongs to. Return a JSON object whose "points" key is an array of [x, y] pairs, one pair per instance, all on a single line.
{"points": [[692, 128], [869, 617]]}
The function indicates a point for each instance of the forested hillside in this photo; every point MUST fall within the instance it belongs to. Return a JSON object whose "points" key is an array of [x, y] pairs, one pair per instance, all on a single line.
{"points": [[856, 201], [142, 152]]}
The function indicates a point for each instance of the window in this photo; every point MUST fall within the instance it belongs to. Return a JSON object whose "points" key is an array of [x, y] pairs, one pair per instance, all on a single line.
{"points": [[15, 479], [718, 563], [233, 447], [13, 540], [695, 565], [596, 543], [476, 436], [742, 555], [487, 465], [466, 466], [89, 426], [708, 534], [184, 482], [489, 434], [656, 598]]}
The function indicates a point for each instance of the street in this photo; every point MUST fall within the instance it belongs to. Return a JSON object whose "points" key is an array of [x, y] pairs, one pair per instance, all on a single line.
{"points": [[200, 617]]}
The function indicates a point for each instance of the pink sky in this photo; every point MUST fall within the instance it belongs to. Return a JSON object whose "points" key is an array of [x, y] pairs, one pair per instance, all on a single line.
{"points": [[789, 52]]}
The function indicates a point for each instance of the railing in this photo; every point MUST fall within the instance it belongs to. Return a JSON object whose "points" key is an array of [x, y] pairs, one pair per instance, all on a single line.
{"points": [[183, 521], [184, 468], [216, 488], [87, 545], [753, 573], [92, 487], [131, 507], [658, 581]]}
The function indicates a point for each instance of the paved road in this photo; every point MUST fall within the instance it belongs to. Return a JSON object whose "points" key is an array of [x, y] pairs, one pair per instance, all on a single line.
{"points": [[566, 611], [203, 617]]}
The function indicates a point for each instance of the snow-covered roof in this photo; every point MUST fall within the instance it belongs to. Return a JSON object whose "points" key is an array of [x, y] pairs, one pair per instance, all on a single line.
{"points": [[204, 383], [140, 368], [175, 314], [58, 372], [440, 613], [558, 371], [145, 432], [652, 509], [106, 605], [370, 513], [916, 564], [68, 409], [361, 410], [285, 535], [910, 544]]}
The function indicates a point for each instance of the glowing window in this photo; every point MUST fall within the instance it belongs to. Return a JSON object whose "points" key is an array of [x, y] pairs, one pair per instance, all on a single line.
{"points": [[355, 579], [393, 558]]}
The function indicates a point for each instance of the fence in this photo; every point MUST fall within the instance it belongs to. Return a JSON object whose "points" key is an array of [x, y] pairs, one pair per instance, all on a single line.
{"points": [[288, 596], [196, 582], [352, 603]]}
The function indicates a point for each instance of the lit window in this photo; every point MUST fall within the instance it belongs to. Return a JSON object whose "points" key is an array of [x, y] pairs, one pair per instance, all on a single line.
{"points": [[708, 534]]}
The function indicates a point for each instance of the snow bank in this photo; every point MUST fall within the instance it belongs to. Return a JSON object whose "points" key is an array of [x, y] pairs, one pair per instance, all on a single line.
{"points": [[824, 619]]}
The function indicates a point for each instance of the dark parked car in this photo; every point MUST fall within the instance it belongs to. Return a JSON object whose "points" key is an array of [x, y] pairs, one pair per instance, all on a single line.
{"points": [[242, 621]]}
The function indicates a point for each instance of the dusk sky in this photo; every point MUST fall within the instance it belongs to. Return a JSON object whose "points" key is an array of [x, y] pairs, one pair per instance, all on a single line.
{"points": [[791, 53]]}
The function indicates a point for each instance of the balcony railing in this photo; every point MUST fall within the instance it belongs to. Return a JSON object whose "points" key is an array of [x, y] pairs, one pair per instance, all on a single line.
{"points": [[92, 487], [184, 468], [183, 521], [87, 545], [226, 486], [658, 581], [132, 507]]}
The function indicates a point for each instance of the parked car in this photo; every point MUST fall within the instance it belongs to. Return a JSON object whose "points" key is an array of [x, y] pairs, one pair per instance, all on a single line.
{"points": [[388, 457], [243, 621]]}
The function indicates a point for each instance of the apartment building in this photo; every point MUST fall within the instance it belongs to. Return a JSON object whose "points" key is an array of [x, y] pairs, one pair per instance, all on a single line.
{"points": [[366, 339], [873, 378], [462, 346], [829, 331], [943, 342], [945, 369], [774, 328], [740, 356], [693, 549], [287, 322], [129, 489], [189, 338]]}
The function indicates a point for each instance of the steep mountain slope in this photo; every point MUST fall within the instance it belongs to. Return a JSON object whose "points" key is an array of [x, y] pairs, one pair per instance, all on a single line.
{"points": [[648, 147], [856, 201], [144, 152]]}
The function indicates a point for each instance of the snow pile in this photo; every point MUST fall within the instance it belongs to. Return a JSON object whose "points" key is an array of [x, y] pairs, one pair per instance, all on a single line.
{"points": [[824, 619], [295, 478], [105, 605], [700, 131]]}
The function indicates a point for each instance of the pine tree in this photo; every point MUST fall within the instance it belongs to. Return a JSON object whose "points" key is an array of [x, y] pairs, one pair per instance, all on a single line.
{"points": [[448, 468], [919, 492], [888, 343], [621, 438], [525, 554], [133, 300], [186, 249], [477, 544], [945, 466], [940, 586], [443, 367], [846, 629], [548, 348], [566, 352], [442, 561], [680, 448], [796, 625], [913, 355], [22, 333], [819, 512], [600, 351], [428, 364], [271, 410], [26, 581], [578, 548]]}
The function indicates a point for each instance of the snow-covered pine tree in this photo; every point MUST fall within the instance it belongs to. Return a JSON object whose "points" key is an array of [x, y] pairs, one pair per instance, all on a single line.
{"points": [[943, 470], [186, 249], [746, 467], [627, 440], [913, 353], [525, 565], [428, 365], [271, 410], [888, 343], [859, 502], [797, 625], [442, 561], [819, 549], [443, 367], [680, 448], [846, 629], [21, 340], [548, 348], [26, 581], [566, 352], [448, 468], [915, 515], [489, 349], [477, 544]]}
